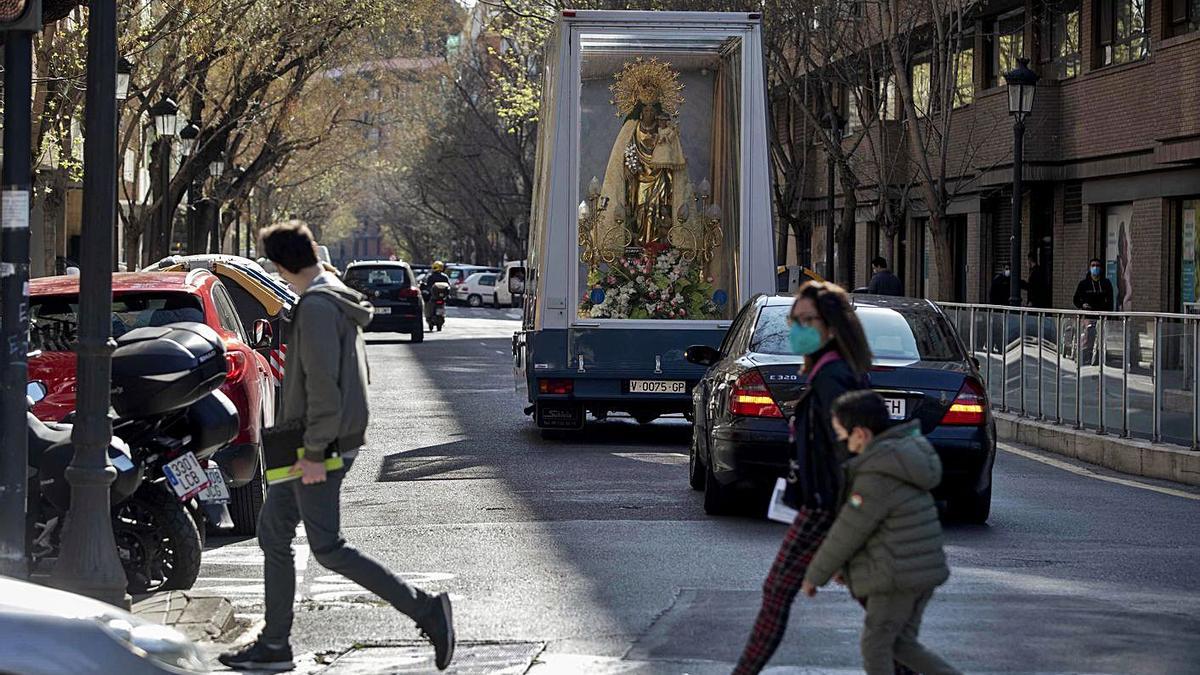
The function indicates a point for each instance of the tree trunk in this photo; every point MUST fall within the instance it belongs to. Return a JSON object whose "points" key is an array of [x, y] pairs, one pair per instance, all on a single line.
{"points": [[943, 258], [845, 232]]}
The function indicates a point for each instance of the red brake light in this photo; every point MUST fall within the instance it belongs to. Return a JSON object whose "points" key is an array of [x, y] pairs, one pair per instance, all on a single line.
{"points": [[969, 407], [409, 292], [556, 386], [235, 365], [751, 398]]}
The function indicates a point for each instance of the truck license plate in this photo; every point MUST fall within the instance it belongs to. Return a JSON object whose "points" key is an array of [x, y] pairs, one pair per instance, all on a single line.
{"points": [[186, 477], [217, 491], [657, 387], [897, 408]]}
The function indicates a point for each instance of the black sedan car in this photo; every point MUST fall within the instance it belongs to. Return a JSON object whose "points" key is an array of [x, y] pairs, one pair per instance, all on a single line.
{"points": [[921, 368], [391, 287]]}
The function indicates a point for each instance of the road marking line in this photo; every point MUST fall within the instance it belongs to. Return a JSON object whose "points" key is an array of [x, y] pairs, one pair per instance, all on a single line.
{"points": [[1088, 473]]}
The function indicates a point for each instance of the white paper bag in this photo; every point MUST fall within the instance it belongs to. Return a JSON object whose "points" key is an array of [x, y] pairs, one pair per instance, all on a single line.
{"points": [[777, 510]]}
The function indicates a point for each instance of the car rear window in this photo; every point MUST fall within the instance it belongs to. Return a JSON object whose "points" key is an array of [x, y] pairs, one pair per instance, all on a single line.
{"points": [[894, 334], [54, 319], [362, 276]]}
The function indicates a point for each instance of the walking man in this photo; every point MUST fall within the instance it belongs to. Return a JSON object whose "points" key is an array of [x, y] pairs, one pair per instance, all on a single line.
{"points": [[326, 389], [883, 282], [1094, 292]]}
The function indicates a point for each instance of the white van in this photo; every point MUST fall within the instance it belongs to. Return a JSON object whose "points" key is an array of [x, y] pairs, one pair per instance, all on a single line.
{"points": [[504, 297]]}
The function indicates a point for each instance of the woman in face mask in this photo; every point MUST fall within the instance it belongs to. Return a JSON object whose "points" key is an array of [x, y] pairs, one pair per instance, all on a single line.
{"points": [[826, 331]]}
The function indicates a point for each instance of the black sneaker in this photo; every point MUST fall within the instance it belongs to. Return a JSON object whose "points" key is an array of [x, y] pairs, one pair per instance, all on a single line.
{"points": [[259, 656], [440, 631]]}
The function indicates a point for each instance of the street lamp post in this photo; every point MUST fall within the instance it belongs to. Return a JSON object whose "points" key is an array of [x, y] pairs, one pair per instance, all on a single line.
{"points": [[216, 169], [1022, 82], [166, 125], [124, 78], [88, 562], [834, 124], [187, 146]]}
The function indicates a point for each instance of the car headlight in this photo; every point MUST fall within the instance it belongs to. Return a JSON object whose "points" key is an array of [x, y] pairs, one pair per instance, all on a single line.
{"points": [[160, 643]]}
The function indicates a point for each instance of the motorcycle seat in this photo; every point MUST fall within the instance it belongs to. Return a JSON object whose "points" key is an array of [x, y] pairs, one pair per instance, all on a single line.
{"points": [[43, 435]]}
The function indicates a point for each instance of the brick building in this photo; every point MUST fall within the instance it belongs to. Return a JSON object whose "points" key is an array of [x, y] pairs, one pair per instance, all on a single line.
{"points": [[1112, 155]]}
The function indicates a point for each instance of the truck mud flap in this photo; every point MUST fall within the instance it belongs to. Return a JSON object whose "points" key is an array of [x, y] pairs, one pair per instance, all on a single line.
{"points": [[556, 415]]}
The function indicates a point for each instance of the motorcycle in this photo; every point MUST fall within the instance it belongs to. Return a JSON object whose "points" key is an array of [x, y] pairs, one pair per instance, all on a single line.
{"points": [[169, 418], [436, 297]]}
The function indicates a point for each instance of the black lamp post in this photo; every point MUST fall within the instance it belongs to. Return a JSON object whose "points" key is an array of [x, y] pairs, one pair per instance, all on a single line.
{"points": [[124, 77], [833, 123], [166, 125], [1022, 82], [216, 169], [187, 146], [88, 562]]}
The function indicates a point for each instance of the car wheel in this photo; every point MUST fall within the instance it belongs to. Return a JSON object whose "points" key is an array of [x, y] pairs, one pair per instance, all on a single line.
{"points": [[475, 300], [972, 508], [245, 502], [695, 468], [716, 496], [418, 335]]}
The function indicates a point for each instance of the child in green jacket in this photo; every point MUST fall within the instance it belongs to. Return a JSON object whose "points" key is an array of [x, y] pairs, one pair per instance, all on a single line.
{"points": [[886, 541]]}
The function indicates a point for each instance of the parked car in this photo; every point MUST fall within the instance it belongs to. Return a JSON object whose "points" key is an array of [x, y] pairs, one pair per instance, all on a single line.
{"points": [[475, 288], [392, 288], [511, 277], [742, 406], [157, 299], [47, 631]]}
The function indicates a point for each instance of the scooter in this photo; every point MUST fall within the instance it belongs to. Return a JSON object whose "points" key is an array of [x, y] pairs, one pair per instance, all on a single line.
{"points": [[169, 417], [435, 305]]}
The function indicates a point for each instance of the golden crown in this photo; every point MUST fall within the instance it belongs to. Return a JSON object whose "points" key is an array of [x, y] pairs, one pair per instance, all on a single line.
{"points": [[645, 83]]}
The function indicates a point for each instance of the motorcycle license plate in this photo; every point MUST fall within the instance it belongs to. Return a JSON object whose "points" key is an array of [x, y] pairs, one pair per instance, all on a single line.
{"points": [[441, 310], [217, 491], [185, 476], [383, 310]]}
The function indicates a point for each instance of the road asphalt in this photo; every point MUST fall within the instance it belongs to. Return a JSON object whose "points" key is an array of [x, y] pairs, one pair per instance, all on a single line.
{"points": [[591, 554]]}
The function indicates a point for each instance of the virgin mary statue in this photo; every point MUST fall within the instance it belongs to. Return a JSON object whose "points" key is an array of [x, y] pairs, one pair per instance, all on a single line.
{"points": [[646, 180]]}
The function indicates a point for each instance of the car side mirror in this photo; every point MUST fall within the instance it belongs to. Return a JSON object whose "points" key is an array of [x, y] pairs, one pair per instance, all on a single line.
{"points": [[35, 391], [975, 360], [702, 355], [262, 334], [516, 284]]}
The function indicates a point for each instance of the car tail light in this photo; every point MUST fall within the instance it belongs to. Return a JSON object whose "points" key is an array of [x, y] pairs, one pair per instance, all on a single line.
{"points": [[556, 386], [409, 292], [969, 407], [235, 363], [751, 398]]}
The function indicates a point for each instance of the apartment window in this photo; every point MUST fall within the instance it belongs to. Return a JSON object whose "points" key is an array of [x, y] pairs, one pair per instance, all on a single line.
{"points": [[964, 77], [889, 101], [922, 84], [1007, 44], [1060, 39], [1183, 16], [1123, 36]]}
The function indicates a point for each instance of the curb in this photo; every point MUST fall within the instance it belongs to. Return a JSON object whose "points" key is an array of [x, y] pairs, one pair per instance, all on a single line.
{"points": [[199, 616], [1126, 455]]}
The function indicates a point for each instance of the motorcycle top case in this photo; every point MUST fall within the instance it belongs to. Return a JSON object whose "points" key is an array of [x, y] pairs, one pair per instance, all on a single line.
{"points": [[164, 368], [212, 424]]}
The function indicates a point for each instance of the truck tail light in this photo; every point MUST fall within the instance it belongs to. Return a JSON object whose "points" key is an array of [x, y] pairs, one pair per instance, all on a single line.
{"points": [[969, 407], [235, 366], [556, 386], [751, 398]]}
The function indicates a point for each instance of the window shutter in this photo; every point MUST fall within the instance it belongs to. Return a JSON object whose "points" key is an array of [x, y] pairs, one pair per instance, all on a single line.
{"points": [[1107, 22]]}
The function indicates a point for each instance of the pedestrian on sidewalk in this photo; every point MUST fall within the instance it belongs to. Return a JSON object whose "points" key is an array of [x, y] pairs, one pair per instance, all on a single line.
{"points": [[826, 331], [325, 387], [886, 543], [883, 282]]}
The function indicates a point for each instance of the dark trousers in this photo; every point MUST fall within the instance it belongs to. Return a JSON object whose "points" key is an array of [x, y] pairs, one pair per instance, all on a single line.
{"points": [[801, 542], [318, 506], [890, 633]]}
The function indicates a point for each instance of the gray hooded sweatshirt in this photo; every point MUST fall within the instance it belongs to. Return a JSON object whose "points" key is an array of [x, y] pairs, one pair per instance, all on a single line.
{"points": [[887, 537], [325, 382]]}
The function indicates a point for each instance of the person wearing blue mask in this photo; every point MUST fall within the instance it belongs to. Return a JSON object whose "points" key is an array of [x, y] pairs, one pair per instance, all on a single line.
{"points": [[824, 330], [1094, 292]]}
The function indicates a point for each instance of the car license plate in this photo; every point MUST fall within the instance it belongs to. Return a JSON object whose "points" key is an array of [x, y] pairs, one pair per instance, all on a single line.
{"points": [[383, 310], [897, 408], [185, 476], [657, 387], [217, 491]]}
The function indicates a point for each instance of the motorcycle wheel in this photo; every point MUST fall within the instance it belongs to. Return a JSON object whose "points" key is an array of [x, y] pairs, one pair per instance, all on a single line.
{"points": [[157, 541]]}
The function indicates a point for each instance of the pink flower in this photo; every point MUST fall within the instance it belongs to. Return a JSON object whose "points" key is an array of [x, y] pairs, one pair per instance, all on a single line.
{"points": [[710, 280], [612, 280], [683, 312]]}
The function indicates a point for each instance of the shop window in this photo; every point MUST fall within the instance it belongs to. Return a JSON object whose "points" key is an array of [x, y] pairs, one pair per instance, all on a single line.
{"points": [[1060, 55], [1182, 16], [1007, 44], [1118, 254], [1189, 279], [1122, 32]]}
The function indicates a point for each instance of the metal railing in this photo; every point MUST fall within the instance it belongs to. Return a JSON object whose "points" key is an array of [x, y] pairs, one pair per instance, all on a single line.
{"points": [[1130, 373]]}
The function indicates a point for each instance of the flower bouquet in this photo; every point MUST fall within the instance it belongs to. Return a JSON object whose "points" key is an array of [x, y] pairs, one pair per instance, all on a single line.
{"points": [[658, 283]]}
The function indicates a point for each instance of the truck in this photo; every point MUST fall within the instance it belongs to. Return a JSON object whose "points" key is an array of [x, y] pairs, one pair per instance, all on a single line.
{"points": [[651, 223]]}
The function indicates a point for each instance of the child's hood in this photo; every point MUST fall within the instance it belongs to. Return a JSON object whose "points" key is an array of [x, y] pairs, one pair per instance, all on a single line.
{"points": [[902, 453]]}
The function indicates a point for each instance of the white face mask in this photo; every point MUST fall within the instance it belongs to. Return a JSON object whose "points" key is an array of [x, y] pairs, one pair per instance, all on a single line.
{"points": [[1007, 273]]}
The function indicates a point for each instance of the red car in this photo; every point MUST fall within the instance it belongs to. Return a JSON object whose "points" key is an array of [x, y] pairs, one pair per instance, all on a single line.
{"points": [[156, 299]]}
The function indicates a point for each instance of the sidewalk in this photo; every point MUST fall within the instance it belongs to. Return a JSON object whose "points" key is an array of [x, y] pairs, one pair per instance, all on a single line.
{"points": [[201, 617]]}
